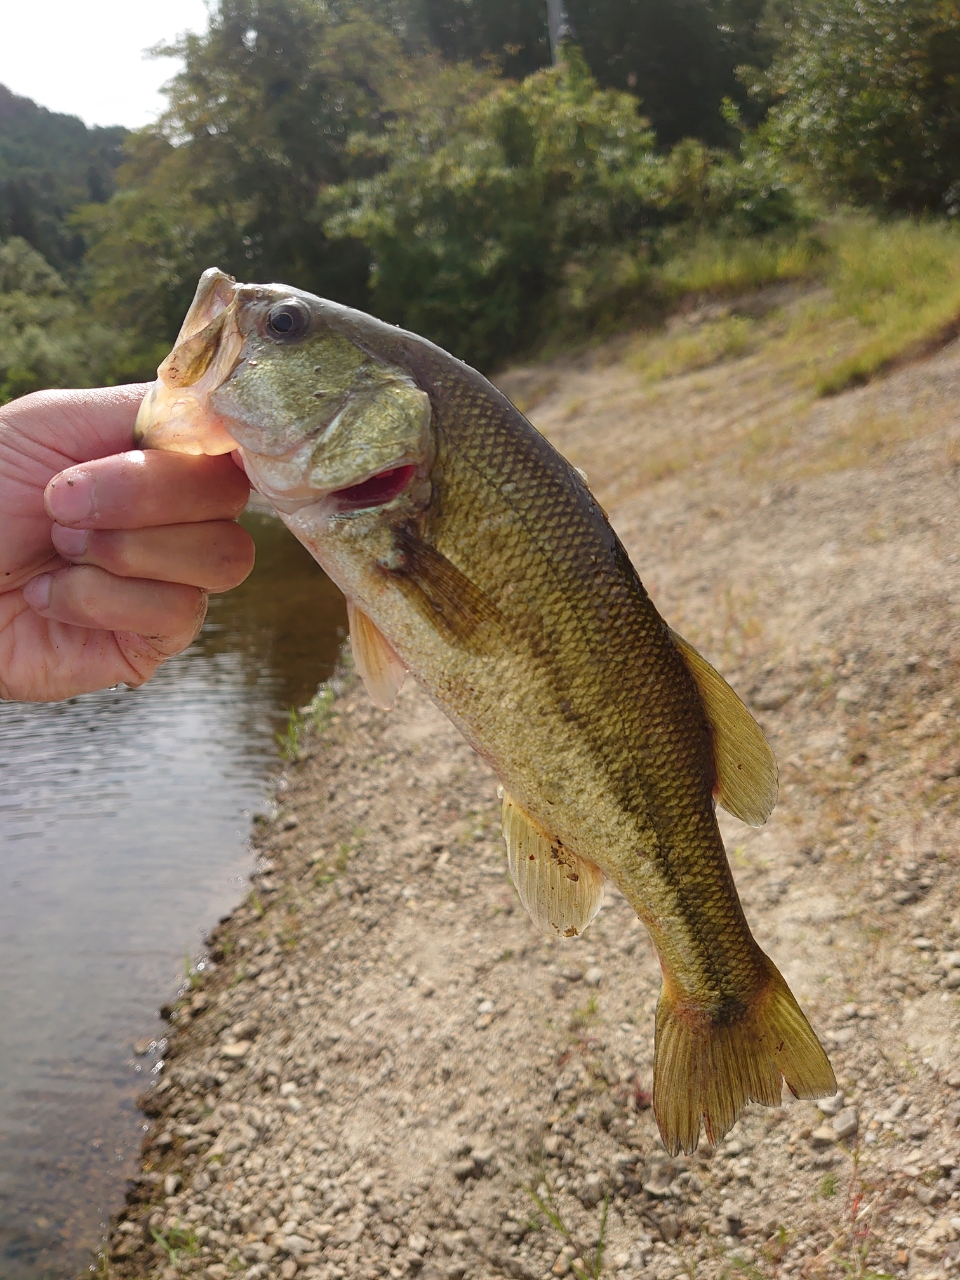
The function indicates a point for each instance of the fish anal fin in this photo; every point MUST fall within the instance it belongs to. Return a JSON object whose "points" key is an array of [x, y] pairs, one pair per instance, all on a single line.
{"points": [[708, 1066], [561, 891], [746, 768], [376, 660]]}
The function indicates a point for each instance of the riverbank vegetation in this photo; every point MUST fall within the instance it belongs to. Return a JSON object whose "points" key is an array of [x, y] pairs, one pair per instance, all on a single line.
{"points": [[426, 160]]}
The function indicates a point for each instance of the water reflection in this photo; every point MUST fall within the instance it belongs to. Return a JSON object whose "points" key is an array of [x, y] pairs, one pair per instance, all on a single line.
{"points": [[123, 836]]}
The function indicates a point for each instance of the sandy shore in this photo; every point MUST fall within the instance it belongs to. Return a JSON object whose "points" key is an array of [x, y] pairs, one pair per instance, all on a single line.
{"points": [[390, 1073]]}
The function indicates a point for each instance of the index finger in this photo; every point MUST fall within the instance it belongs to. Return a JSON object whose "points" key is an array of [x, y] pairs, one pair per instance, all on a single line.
{"points": [[140, 490]]}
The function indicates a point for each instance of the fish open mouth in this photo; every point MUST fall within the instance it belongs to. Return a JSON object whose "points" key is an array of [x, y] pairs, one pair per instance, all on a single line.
{"points": [[376, 491]]}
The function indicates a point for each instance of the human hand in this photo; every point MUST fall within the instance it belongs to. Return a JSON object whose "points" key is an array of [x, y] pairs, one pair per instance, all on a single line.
{"points": [[105, 566]]}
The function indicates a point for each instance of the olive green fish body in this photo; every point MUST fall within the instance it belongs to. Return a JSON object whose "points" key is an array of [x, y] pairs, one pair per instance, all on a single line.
{"points": [[493, 575]]}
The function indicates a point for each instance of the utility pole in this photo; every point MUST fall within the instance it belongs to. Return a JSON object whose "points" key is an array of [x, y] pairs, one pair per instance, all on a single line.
{"points": [[560, 28]]}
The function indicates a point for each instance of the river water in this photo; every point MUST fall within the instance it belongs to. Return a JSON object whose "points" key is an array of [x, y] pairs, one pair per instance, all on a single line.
{"points": [[124, 820]]}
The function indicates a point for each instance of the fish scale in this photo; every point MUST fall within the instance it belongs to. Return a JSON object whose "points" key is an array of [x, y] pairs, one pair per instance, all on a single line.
{"points": [[474, 556]]}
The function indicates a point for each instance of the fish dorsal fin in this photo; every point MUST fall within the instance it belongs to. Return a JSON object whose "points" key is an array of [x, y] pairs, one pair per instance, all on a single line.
{"points": [[380, 668], [561, 891], [746, 768]]}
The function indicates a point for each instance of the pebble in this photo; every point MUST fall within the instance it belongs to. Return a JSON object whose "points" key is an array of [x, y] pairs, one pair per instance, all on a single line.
{"points": [[830, 1106], [846, 1123], [825, 1136], [670, 1227], [731, 1219], [593, 977], [658, 1180], [592, 1192], [924, 944], [239, 1049]]}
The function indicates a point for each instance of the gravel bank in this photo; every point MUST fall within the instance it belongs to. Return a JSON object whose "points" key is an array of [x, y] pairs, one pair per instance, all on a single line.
{"points": [[389, 1073]]}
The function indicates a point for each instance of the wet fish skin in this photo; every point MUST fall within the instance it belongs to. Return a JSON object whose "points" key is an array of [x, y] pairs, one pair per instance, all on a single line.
{"points": [[495, 577]]}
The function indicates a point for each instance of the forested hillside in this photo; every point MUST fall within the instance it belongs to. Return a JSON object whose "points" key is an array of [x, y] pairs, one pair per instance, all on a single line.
{"points": [[50, 164], [431, 161]]}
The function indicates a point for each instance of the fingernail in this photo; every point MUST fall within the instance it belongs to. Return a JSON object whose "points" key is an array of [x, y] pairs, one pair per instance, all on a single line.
{"points": [[71, 543], [70, 497], [37, 591]]}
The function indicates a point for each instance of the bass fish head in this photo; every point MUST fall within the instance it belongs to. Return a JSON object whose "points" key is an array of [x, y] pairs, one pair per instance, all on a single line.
{"points": [[302, 387]]}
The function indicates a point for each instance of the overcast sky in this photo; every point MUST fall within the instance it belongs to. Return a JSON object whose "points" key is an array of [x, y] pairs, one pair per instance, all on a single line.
{"points": [[85, 57]]}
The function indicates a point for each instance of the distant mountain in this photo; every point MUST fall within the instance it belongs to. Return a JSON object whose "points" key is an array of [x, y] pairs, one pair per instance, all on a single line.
{"points": [[49, 164]]}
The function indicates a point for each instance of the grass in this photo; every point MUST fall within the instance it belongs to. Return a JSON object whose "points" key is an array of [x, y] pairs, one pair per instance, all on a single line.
{"points": [[890, 292], [900, 282], [721, 267], [288, 739], [177, 1243], [586, 1015], [690, 349], [316, 715], [589, 1264]]}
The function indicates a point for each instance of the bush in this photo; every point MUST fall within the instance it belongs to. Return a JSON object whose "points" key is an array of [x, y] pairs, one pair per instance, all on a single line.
{"points": [[868, 98], [499, 206]]}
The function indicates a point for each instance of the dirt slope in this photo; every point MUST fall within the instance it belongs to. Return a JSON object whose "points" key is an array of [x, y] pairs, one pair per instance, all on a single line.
{"points": [[390, 1073]]}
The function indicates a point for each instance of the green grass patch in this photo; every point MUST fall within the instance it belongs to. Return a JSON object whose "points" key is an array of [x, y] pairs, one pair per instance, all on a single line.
{"points": [[723, 267], [686, 350], [900, 282]]}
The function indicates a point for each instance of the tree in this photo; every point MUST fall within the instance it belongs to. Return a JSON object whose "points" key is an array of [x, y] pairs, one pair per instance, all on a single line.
{"points": [[677, 56], [44, 340], [50, 164], [491, 192], [867, 97], [231, 173]]}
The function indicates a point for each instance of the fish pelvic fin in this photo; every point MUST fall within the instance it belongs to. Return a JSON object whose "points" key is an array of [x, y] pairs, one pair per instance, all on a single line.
{"points": [[561, 891], [746, 767], [709, 1065], [381, 670]]}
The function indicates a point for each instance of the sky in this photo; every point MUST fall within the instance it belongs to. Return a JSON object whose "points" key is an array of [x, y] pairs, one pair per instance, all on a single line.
{"points": [[86, 57]]}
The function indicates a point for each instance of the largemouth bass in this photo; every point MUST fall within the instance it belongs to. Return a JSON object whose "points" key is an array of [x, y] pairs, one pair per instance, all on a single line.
{"points": [[475, 557]]}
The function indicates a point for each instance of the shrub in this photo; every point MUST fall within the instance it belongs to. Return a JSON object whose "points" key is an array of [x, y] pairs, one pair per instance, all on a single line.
{"points": [[868, 98], [499, 205]]}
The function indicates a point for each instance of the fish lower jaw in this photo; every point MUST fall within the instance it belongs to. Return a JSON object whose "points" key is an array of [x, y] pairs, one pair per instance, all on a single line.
{"points": [[373, 490]]}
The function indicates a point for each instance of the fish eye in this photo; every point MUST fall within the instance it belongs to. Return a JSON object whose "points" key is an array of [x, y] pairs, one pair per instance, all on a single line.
{"points": [[287, 321]]}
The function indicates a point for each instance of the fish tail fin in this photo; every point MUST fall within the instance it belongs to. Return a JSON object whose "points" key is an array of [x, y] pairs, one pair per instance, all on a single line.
{"points": [[709, 1066]]}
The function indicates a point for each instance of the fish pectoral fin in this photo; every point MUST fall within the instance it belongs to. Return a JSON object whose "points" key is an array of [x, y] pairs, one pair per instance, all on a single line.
{"points": [[561, 891], [375, 658], [708, 1064], [747, 781]]}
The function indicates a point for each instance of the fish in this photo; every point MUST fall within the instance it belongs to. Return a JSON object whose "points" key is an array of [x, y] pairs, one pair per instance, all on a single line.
{"points": [[475, 557]]}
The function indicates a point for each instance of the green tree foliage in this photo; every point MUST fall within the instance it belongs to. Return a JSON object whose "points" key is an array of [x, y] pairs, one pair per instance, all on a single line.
{"points": [[493, 194], [49, 164], [230, 175], [867, 96], [678, 56], [45, 339]]}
